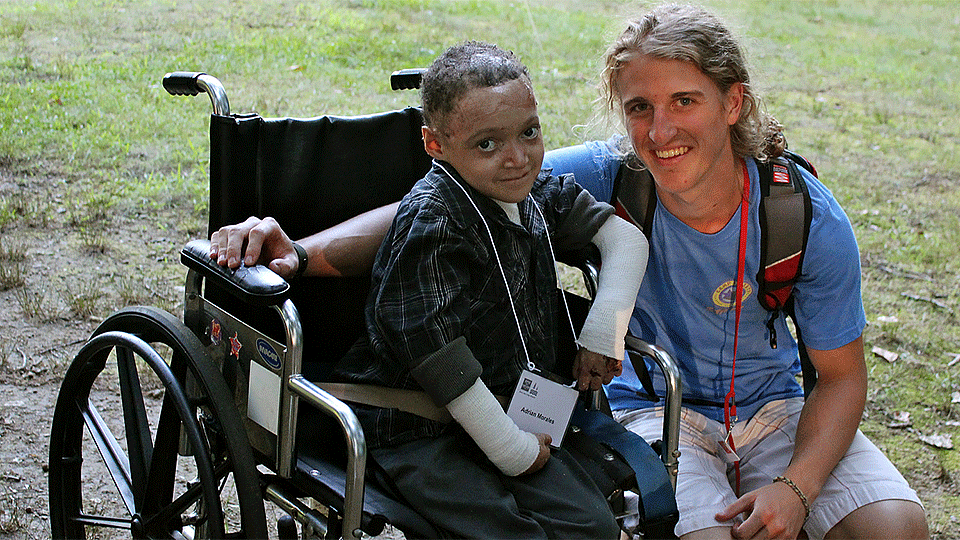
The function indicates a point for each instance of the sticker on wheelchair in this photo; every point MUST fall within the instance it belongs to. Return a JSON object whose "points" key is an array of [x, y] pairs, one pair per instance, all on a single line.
{"points": [[216, 332], [540, 405]]}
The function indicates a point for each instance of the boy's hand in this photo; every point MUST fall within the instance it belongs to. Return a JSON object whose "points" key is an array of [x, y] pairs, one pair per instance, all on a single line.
{"points": [[593, 370], [544, 454], [256, 241]]}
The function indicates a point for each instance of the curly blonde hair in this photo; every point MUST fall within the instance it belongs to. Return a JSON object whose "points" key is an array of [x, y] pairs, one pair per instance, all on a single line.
{"points": [[692, 34]]}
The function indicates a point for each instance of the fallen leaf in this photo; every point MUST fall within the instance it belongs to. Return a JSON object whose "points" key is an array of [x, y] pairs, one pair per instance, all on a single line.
{"points": [[889, 356], [938, 441], [900, 420]]}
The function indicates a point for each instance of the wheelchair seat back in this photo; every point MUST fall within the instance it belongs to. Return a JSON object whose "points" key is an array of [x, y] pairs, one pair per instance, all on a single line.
{"points": [[311, 174]]}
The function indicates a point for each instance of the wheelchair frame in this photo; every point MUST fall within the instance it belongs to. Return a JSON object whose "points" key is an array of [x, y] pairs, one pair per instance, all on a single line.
{"points": [[227, 426]]}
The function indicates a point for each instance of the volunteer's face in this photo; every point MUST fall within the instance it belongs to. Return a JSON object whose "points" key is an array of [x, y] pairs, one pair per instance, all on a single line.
{"points": [[493, 139], [679, 122]]}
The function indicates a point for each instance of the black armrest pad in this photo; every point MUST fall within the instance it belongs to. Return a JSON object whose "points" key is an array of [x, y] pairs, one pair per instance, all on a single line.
{"points": [[257, 285], [580, 258]]}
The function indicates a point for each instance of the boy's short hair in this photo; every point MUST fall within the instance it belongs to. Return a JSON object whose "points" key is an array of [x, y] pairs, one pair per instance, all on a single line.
{"points": [[461, 68]]}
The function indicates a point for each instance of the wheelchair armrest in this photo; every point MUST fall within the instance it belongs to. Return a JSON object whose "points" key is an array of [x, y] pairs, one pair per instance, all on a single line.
{"points": [[255, 285], [587, 260], [671, 408], [356, 448]]}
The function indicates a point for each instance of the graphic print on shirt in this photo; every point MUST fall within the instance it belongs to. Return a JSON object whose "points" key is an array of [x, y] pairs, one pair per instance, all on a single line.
{"points": [[723, 296]]}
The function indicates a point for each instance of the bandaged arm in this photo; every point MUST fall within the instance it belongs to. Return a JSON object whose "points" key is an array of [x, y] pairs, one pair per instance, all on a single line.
{"points": [[512, 450], [451, 376], [623, 253]]}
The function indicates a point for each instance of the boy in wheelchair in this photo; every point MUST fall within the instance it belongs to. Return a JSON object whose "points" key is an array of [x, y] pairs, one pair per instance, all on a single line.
{"points": [[463, 303]]}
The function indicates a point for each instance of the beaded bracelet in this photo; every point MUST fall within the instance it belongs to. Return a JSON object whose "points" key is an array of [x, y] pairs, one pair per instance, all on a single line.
{"points": [[803, 498]]}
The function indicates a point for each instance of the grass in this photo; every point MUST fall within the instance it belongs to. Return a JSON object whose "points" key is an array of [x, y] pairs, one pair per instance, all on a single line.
{"points": [[867, 89], [83, 297], [12, 259], [37, 302]]}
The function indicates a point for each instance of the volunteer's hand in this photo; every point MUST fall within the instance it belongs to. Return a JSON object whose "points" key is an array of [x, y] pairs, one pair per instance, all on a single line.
{"points": [[773, 511], [256, 241]]}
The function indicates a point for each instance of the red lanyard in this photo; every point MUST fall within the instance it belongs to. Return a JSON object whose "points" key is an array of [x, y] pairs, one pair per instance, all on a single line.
{"points": [[730, 401]]}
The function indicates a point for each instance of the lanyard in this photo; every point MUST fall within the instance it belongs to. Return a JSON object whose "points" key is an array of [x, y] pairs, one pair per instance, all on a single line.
{"points": [[531, 365], [730, 401]]}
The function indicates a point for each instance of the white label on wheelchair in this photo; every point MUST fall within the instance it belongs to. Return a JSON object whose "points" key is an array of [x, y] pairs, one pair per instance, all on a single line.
{"points": [[263, 397], [540, 405]]}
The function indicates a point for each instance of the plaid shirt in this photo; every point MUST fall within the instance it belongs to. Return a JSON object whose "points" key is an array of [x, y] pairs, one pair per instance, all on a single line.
{"points": [[436, 279]]}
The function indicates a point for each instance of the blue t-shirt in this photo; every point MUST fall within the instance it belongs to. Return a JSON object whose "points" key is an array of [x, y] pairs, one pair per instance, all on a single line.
{"points": [[685, 303]]}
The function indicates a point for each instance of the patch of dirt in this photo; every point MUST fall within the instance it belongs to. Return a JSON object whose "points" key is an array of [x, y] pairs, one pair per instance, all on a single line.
{"points": [[70, 280], [24, 428], [133, 259]]}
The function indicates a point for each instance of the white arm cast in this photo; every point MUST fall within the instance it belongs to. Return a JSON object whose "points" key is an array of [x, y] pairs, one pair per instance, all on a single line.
{"points": [[623, 252], [513, 451]]}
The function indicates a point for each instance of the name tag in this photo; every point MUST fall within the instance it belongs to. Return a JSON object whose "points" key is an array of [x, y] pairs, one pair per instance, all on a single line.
{"points": [[540, 405]]}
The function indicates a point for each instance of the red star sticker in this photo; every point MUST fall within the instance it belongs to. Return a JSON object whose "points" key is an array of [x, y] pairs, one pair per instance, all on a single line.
{"points": [[215, 335], [235, 346]]}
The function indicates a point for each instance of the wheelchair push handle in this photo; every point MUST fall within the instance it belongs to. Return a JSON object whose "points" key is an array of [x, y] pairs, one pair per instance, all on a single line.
{"points": [[189, 83], [406, 79]]}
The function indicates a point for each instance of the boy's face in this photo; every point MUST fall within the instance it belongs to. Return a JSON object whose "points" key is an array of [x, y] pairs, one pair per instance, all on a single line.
{"points": [[493, 139]]}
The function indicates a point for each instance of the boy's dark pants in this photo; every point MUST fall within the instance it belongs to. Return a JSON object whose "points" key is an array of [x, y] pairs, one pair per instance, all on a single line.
{"points": [[456, 487]]}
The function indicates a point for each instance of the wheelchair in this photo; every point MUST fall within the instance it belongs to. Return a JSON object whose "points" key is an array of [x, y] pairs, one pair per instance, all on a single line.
{"points": [[223, 410]]}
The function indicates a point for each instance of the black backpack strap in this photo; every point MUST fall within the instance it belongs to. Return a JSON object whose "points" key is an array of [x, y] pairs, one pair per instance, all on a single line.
{"points": [[635, 200], [635, 197], [785, 215], [807, 370]]}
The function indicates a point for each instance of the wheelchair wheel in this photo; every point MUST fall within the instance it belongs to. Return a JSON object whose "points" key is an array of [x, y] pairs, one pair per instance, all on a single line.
{"points": [[134, 477]]}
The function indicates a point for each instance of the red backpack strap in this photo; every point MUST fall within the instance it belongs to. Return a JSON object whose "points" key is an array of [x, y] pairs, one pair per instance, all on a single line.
{"points": [[784, 224]]}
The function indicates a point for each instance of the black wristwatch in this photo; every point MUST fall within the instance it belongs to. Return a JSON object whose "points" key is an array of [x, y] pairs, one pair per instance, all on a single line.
{"points": [[302, 260]]}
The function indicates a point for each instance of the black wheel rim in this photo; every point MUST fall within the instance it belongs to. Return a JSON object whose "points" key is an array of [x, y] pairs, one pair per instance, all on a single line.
{"points": [[141, 460]]}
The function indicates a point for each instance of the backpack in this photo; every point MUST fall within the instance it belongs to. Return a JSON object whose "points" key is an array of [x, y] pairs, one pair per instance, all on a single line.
{"points": [[785, 214]]}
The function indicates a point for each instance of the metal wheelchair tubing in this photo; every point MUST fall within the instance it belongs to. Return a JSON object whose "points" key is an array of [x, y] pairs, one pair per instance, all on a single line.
{"points": [[671, 373], [218, 95], [301, 388], [299, 511], [292, 365], [671, 409], [356, 447]]}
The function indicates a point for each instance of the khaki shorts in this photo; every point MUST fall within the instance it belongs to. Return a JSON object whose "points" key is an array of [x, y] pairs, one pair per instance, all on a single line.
{"points": [[765, 446]]}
